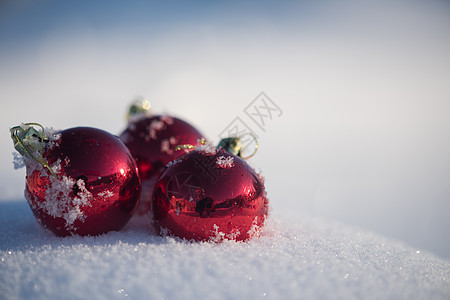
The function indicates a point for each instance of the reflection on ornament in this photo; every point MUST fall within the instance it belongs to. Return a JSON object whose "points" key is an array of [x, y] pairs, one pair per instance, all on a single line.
{"points": [[209, 194]]}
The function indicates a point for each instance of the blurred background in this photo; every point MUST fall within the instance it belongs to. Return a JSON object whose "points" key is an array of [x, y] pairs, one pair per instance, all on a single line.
{"points": [[362, 130]]}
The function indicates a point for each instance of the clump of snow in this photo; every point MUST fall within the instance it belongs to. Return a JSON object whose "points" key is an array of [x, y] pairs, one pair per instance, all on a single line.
{"points": [[157, 125], [167, 145], [60, 202], [18, 161], [225, 162], [154, 127], [106, 194], [57, 167], [53, 136], [219, 236], [59, 198], [255, 230], [234, 234], [206, 149], [166, 119]]}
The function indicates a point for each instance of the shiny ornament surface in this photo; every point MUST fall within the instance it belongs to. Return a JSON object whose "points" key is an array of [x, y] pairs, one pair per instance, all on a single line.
{"points": [[209, 194], [152, 141], [95, 188]]}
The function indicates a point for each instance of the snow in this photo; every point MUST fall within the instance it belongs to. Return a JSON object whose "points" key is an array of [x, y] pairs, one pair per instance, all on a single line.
{"points": [[167, 144], [225, 162], [206, 148], [18, 161], [306, 259], [58, 202], [158, 125]]}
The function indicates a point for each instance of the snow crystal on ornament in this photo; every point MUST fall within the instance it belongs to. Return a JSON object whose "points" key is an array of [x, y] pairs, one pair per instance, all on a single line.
{"points": [[157, 125], [72, 215], [57, 166], [255, 229], [167, 119], [32, 166], [106, 194], [154, 127], [173, 162], [66, 161], [233, 234], [166, 145], [225, 162], [58, 201], [53, 136], [206, 149], [219, 236]]}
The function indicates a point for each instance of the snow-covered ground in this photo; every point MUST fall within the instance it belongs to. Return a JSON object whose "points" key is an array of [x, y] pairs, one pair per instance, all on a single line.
{"points": [[307, 259], [361, 137]]}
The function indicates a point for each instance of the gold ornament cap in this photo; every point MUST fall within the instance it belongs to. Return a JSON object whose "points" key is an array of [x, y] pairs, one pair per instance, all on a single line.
{"points": [[139, 107], [235, 146]]}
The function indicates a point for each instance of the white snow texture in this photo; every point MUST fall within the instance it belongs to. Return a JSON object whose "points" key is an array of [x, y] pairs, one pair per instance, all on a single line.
{"points": [[291, 260]]}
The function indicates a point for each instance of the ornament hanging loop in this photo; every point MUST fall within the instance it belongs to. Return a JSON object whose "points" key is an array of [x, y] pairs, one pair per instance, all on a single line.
{"points": [[235, 146], [30, 142], [256, 144]]}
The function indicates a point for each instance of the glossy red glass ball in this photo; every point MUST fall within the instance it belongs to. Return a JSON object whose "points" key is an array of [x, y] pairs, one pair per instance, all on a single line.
{"points": [[209, 194], [96, 188], [152, 141]]}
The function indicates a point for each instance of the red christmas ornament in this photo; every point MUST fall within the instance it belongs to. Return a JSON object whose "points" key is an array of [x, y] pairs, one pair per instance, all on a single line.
{"points": [[209, 194], [152, 141], [79, 181]]}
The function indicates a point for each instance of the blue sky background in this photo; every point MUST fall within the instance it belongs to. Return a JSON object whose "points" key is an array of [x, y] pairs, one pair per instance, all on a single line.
{"points": [[30, 19], [364, 136]]}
